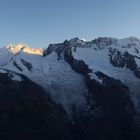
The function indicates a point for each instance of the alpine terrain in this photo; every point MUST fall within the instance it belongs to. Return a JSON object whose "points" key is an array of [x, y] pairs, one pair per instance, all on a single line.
{"points": [[74, 90]]}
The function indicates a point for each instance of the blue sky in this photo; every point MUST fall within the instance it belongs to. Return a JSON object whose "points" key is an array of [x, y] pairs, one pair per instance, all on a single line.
{"points": [[40, 22]]}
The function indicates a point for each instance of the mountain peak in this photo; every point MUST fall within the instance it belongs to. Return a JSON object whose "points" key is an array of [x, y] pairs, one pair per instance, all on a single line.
{"points": [[25, 48], [15, 48]]}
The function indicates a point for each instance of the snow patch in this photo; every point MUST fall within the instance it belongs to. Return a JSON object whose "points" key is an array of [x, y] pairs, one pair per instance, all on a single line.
{"points": [[16, 78]]}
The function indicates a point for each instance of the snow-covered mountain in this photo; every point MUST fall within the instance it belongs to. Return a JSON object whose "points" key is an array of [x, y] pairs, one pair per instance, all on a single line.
{"points": [[23, 47], [116, 58], [94, 80]]}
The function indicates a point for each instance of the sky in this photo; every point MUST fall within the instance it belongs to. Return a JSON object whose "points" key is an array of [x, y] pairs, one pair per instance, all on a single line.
{"points": [[41, 22]]}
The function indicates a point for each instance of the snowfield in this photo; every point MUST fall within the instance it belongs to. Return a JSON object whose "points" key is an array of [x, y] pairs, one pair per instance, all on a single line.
{"points": [[65, 86]]}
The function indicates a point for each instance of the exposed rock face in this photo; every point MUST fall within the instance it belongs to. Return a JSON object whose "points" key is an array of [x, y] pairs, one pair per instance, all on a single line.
{"points": [[16, 65], [137, 72], [27, 64], [119, 59], [104, 41], [124, 60]]}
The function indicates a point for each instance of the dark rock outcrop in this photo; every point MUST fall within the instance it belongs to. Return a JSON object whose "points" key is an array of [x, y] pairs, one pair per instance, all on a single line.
{"points": [[103, 41], [16, 65], [27, 64], [118, 59]]}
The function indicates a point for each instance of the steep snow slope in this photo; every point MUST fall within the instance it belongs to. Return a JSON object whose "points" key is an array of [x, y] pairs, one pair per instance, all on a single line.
{"points": [[65, 86], [5, 56]]}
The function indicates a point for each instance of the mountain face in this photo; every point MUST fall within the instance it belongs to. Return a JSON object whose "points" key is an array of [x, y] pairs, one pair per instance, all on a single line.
{"points": [[94, 85], [26, 112]]}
